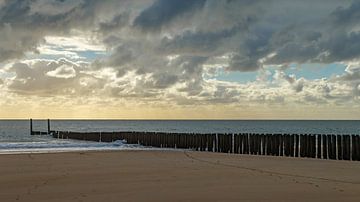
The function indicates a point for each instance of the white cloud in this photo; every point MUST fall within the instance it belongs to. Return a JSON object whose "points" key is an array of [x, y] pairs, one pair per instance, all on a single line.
{"points": [[74, 43], [63, 71]]}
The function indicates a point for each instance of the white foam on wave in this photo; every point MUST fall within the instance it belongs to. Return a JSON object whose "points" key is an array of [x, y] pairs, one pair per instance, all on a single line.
{"points": [[64, 146]]}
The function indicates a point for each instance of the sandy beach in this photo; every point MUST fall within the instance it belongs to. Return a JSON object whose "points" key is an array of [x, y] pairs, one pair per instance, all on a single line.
{"points": [[174, 176]]}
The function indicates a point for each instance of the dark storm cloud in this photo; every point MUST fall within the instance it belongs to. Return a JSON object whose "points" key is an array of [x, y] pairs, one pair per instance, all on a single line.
{"points": [[343, 46], [252, 49], [116, 23], [162, 12], [198, 43], [249, 30], [25, 23], [347, 16], [323, 38]]}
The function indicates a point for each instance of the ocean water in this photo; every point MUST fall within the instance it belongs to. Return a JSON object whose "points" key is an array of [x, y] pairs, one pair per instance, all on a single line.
{"points": [[15, 137]]}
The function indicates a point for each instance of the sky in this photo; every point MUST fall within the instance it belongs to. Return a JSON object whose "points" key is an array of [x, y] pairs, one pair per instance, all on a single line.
{"points": [[180, 59]]}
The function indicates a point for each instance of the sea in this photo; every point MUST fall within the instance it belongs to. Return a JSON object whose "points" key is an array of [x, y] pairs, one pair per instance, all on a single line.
{"points": [[15, 134]]}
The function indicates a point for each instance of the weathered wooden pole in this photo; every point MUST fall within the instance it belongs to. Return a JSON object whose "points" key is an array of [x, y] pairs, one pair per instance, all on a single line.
{"points": [[325, 146], [242, 144], [31, 127], [317, 146], [281, 145], [302, 145], [296, 145], [355, 148], [292, 145], [48, 125], [333, 148], [340, 147], [346, 147]]}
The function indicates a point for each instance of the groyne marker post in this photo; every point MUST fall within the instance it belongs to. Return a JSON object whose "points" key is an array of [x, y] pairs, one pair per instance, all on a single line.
{"points": [[48, 125], [31, 127]]}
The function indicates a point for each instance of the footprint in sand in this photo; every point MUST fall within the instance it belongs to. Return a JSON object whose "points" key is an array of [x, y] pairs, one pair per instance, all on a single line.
{"points": [[294, 180]]}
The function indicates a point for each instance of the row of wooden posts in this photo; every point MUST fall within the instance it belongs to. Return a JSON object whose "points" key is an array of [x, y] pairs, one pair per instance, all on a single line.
{"points": [[337, 147]]}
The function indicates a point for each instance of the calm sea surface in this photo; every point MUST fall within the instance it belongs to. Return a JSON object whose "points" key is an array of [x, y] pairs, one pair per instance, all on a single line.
{"points": [[14, 134]]}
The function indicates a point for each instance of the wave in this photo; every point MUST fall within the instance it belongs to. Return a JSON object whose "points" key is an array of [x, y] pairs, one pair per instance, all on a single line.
{"points": [[64, 146]]}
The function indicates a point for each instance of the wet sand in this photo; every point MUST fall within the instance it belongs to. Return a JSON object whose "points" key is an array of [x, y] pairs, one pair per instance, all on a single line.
{"points": [[174, 176]]}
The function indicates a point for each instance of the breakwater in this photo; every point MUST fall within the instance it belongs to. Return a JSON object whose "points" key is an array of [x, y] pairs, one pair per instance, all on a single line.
{"points": [[337, 147]]}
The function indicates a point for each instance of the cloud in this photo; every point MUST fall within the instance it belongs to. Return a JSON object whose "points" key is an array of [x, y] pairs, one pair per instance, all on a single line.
{"points": [[62, 71], [53, 8], [52, 78], [158, 51], [196, 43], [346, 16], [25, 23], [352, 73], [116, 23], [162, 12]]}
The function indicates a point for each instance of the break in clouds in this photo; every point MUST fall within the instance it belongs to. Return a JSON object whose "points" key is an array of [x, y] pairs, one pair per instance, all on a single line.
{"points": [[166, 51]]}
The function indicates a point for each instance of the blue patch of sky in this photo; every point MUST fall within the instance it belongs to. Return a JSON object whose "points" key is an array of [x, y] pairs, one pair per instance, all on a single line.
{"points": [[316, 71], [92, 55], [88, 56]]}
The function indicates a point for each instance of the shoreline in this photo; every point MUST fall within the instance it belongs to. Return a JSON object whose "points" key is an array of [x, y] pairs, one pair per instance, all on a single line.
{"points": [[170, 175], [83, 150]]}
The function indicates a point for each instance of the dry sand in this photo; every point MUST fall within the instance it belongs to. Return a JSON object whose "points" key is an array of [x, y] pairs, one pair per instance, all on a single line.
{"points": [[174, 176]]}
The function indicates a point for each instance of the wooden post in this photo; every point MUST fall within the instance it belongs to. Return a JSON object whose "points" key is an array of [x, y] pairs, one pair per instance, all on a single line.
{"points": [[325, 146], [302, 145], [318, 146], [286, 145], [270, 151], [355, 148], [340, 147], [274, 146], [209, 142], [269, 144], [346, 147], [281, 145], [292, 145], [252, 143], [330, 146], [309, 143], [314, 146], [216, 142], [262, 144], [296, 145], [334, 147], [31, 127], [48, 125], [242, 143]]}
